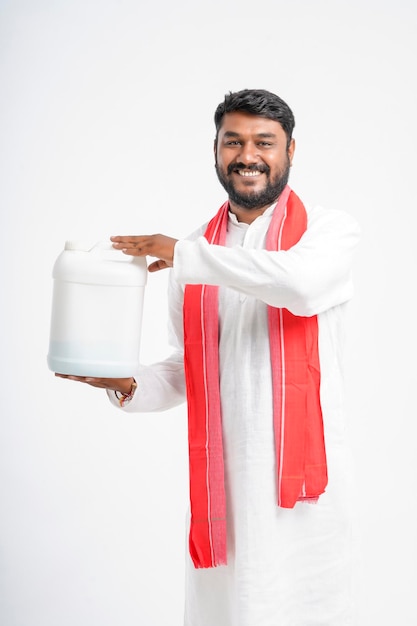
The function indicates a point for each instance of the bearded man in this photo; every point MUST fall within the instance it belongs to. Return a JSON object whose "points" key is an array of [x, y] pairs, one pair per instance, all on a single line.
{"points": [[257, 298]]}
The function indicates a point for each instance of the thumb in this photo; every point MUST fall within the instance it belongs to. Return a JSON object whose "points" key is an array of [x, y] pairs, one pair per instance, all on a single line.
{"points": [[157, 265]]}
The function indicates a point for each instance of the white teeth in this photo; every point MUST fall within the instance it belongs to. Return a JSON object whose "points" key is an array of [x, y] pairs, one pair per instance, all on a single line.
{"points": [[250, 173]]}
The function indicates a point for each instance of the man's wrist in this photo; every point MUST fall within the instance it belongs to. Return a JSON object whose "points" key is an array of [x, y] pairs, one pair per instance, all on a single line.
{"points": [[123, 397]]}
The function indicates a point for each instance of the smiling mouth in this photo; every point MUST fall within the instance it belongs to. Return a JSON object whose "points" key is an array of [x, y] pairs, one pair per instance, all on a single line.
{"points": [[248, 170], [248, 173]]}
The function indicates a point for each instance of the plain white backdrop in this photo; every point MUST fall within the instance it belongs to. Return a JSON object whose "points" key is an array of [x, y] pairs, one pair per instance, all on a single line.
{"points": [[106, 127]]}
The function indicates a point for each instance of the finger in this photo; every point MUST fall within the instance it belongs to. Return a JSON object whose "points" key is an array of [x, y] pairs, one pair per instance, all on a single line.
{"points": [[157, 265], [132, 241], [137, 246], [124, 238], [80, 379], [97, 382], [131, 249]]}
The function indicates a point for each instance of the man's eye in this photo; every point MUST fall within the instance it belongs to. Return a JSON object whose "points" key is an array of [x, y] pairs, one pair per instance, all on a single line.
{"points": [[265, 144], [233, 143]]}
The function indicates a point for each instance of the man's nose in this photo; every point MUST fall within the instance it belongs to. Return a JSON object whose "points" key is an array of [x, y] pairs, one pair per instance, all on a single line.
{"points": [[249, 153]]}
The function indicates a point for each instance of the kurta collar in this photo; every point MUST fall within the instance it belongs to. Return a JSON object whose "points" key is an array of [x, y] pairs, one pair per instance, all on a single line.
{"points": [[266, 214]]}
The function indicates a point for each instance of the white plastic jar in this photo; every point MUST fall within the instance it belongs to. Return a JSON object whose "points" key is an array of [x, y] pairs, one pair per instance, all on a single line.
{"points": [[97, 306]]}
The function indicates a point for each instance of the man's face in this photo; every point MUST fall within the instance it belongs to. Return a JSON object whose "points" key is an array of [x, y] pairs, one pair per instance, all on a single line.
{"points": [[252, 159]]}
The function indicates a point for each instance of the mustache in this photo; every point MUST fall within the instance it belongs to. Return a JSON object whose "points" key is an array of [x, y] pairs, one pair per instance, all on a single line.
{"points": [[236, 167]]}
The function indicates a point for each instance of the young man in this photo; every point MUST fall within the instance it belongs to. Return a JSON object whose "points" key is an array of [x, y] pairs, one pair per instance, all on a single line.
{"points": [[256, 302]]}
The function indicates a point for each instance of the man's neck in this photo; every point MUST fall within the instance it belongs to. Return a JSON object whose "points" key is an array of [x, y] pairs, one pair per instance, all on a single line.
{"points": [[247, 216]]}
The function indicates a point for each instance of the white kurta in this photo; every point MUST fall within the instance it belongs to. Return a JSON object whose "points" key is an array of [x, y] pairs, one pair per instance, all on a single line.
{"points": [[286, 567]]}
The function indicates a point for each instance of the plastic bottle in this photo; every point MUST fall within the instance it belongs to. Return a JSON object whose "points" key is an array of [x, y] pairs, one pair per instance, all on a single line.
{"points": [[97, 306]]}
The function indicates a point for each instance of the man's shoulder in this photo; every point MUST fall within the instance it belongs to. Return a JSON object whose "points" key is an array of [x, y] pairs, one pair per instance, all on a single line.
{"points": [[317, 214], [198, 232]]}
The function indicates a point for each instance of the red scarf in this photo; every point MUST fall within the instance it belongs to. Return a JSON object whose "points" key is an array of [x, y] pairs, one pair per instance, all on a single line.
{"points": [[298, 427]]}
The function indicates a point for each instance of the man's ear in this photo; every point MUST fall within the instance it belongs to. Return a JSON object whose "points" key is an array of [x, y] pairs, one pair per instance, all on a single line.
{"points": [[291, 150]]}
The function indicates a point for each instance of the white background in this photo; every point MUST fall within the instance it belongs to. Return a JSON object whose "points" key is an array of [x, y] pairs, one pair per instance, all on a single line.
{"points": [[106, 112]]}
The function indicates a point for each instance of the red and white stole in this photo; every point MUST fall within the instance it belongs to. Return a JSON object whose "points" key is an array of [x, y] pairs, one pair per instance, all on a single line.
{"points": [[301, 469]]}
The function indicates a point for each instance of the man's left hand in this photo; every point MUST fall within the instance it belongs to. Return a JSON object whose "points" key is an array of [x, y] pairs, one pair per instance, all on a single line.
{"points": [[159, 246]]}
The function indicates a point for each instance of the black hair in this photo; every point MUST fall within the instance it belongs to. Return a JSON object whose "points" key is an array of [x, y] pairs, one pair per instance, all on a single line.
{"points": [[257, 102]]}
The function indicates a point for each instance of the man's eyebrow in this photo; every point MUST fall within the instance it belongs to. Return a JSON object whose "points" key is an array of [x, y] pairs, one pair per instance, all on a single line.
{"points": [[266, 135], [231, 133]]}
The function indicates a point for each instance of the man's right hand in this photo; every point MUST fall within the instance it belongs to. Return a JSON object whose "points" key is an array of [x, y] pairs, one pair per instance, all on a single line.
{"points": [[124, 385]]}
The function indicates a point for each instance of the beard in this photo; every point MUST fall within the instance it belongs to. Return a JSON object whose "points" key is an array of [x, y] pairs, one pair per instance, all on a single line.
{"points": [[254, 199]]}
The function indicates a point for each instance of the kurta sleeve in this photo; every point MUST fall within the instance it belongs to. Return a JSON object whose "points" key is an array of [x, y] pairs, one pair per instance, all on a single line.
{"points": [[161, 385], [309, 278]]}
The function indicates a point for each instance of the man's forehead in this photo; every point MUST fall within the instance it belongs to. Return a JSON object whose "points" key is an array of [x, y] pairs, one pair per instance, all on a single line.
{"points": [[240, 122]]}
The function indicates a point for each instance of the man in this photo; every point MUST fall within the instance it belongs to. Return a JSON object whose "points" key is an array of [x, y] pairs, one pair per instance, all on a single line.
{"points": [[256, 303]]}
